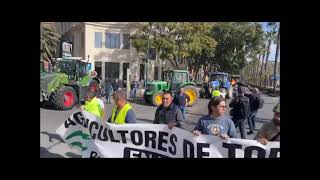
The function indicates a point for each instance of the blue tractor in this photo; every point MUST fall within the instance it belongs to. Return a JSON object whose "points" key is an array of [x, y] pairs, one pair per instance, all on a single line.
{"points": [[221, 81]]}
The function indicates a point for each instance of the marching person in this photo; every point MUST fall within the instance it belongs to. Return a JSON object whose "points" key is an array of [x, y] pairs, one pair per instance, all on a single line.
{"points": [[255, 104], [122, 112], [181, 100], [93, 105], [168, 113], [216, 123], [241, 110], [108, 90], [270, 131], [134, 87]]}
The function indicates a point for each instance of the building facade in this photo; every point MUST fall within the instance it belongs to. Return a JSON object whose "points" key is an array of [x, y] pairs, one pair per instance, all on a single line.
{"points": [[106, 45]]}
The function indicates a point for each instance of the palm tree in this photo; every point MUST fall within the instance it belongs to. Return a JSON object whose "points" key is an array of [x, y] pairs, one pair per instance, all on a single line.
{"points": [[264, 51], [270, 37], [257, 68], [277, 54], [49, 40]]}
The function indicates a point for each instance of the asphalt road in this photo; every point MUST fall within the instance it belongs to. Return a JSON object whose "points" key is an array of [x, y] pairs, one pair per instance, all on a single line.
{"points": [[52, 146]]}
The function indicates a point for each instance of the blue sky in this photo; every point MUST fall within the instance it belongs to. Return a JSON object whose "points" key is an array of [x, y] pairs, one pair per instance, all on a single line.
{"points": [[273, 46]]}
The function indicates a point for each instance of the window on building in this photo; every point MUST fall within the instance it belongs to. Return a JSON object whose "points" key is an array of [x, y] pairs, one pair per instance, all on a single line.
{"points": [[98, 68], [113, 40], [125, 67], [126, 41], [108, 40], [112, 70], [98, 39], [141, 72], [117, 39]]}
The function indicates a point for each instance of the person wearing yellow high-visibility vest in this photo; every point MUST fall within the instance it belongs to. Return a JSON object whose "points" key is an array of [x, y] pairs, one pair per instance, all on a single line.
{"points": [[92, 105], [123, 112], [216, 93]]}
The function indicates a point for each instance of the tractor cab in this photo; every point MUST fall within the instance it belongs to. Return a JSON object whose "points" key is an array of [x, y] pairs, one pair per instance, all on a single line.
{"points": [[74, 67], [172, 80], [221, 81], [175, 78]]}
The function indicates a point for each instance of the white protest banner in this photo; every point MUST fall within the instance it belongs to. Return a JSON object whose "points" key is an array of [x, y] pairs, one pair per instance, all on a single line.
{"points": [[95, 140]]}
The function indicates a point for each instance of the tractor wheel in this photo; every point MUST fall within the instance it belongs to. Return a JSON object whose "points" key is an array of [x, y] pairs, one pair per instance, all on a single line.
{"points": [[192, 93], [229, 94], [65, 98], [157, 99]]}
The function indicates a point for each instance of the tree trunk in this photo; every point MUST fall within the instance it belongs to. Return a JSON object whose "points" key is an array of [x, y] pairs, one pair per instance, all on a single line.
{"points": [[260, 77], [257, 70], [176, 62], [266, 63], [276, 59]]}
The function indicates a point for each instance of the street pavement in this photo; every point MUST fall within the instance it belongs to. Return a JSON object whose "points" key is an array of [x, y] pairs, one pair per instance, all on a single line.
{"points": [[52, 146]]}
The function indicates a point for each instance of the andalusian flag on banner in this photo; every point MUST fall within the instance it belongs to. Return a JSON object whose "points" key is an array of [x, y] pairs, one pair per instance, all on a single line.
{"points": [[75, 131]]}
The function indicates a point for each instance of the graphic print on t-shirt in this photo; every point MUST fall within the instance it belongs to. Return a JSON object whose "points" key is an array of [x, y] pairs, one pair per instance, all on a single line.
{"points": [[215, 129]]}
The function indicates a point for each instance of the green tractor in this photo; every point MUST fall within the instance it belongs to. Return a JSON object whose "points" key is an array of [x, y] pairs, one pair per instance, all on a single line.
{"points": [[65, 84], [172, 80]]}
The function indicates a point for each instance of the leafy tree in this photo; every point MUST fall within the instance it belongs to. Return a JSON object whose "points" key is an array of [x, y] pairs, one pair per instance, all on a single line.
{"points": [[49, 40], [176, 42]]}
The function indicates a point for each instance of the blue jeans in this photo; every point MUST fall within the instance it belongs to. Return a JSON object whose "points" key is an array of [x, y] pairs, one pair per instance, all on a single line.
{"points": [[133, 92], [252, 120], [108, 94], [183, 110]]}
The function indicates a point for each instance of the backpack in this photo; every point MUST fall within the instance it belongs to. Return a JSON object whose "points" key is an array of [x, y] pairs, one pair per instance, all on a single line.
{"points": [[254, 102]]}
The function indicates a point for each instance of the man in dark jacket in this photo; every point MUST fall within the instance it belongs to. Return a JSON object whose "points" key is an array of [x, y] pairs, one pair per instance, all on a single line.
{"points": [[254, 106], [241, 110], [168, 113], [108, 90]]}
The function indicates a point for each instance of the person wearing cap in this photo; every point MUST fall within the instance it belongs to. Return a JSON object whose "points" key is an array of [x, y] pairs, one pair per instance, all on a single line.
{"points": [[122, 112], [270, 131]]}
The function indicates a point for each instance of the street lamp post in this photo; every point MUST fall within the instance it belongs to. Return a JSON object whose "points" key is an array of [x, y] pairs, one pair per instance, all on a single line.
{"points": [[148, 52], [179, 39]]}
